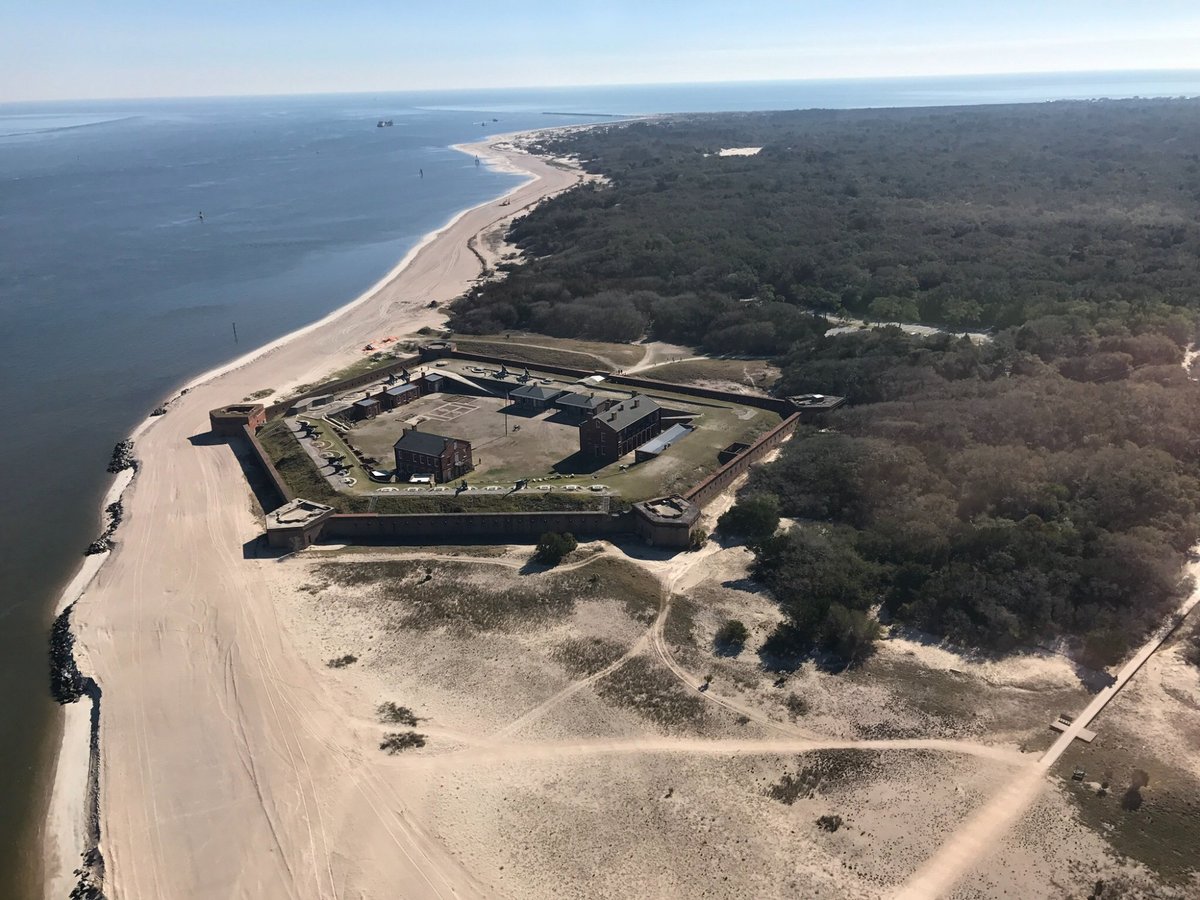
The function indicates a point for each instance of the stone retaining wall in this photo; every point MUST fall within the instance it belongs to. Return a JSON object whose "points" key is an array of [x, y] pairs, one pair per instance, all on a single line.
{"points": [[519, 526], [268, 467]]}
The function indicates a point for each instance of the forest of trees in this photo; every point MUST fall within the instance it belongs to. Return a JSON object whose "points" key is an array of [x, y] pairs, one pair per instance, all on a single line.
{"points": [[967, 217], [1040, 484], [992, 495]]}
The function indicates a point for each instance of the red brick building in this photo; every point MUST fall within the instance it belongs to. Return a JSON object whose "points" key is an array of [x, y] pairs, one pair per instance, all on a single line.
{"points": [[618, 430], [422, 453]]}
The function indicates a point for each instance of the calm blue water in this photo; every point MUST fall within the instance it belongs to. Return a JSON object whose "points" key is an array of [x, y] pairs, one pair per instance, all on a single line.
{"points": [[113, 292]]}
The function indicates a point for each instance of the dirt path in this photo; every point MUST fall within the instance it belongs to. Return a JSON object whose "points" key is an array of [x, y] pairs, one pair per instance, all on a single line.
{"points": [[517, 558], [676, 575], [644, 367], [985, 829], [659, 353], [567, 693], [574, 688], [679, 575], [672, 575]]}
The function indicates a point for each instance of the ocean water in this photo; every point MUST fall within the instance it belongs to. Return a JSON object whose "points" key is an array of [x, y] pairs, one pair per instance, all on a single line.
{"points": [[113, 291]]}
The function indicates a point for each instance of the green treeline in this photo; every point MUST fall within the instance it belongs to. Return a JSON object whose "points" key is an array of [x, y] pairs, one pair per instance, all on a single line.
{"points": [[988, 494], [976, 217], [1039, 485]]}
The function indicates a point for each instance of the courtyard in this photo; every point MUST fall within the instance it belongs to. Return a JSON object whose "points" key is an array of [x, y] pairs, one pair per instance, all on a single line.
{"points": [[530, 448], [510, 443]]}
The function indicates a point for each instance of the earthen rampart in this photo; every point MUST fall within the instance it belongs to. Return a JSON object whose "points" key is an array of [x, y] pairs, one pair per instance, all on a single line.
{"points": [[773, 404]]}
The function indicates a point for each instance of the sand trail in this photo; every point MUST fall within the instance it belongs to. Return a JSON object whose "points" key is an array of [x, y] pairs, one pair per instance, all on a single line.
{"points": [[971, 844]]}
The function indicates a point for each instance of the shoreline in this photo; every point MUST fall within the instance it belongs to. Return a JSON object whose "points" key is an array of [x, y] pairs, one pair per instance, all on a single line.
{"points": [[64, 828]]}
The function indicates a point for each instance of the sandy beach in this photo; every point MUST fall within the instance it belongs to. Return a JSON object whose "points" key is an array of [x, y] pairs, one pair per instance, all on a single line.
{"points": [[224, 771]]}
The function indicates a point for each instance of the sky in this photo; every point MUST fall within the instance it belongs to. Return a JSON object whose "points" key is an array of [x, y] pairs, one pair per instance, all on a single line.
{"points": [[168, 48]]}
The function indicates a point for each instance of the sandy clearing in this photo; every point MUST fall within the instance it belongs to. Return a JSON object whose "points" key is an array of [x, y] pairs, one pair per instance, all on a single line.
{"points": [[527, 798], [849, 325], [554, 750], [1034, 669], [700, 825], [970, 845], [1189, 360], [565, 804], [226, 769]]}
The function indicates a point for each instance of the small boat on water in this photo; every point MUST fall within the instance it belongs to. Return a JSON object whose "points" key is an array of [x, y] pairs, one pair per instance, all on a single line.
{"points": [[384, 123]]}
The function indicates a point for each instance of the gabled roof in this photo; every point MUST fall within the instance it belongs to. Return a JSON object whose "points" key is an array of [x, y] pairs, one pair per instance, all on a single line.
{"points": [[571, 400], [535, 392], [626, 413], [422, 442], [366, 401]]}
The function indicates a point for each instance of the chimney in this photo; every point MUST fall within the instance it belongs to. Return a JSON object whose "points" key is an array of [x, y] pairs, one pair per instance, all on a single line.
{"points": [[635, 403]]}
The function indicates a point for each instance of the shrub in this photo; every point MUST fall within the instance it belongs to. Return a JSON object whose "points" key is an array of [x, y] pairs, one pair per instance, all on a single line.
{"points": [[553, 547], [731, 636], [1104, 647], [796, 705], [399, 741], [398, 715], [829, 823], [341, 662], [755, 517]]}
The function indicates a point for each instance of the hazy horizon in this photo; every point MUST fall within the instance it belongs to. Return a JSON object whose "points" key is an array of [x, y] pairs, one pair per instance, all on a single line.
{"points": [[1190, 75], [229, 49]]}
